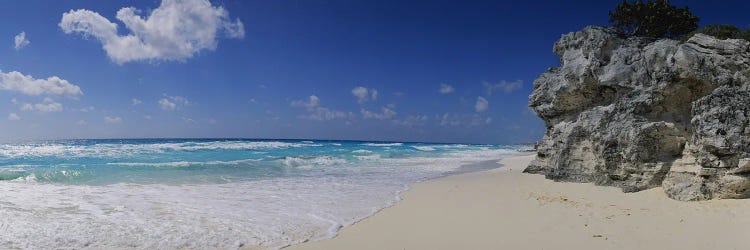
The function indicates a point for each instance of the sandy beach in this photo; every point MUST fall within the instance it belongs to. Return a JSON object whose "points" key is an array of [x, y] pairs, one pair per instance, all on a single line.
{"points": [[506, 209]]}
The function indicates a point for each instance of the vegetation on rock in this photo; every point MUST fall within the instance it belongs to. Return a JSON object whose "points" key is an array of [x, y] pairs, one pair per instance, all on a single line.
{"points": [[722, 31], [652, 18]]}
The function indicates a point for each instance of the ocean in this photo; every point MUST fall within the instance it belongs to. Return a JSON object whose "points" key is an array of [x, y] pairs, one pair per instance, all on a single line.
{"points": [[209, 193]]}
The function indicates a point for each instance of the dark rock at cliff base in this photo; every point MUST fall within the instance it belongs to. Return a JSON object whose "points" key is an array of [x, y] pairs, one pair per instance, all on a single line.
{"points": [[638, 113]]}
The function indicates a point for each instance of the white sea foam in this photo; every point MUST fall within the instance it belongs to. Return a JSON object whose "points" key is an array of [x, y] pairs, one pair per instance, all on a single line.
{"points": [[311, 161], [184, 163], [396, 144], [361, 151], [271, 213], [424, 148], [117, 150], [370, 157]]}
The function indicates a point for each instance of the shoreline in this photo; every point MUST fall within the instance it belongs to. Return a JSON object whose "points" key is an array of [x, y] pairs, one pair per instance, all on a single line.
{"points": [[481, 166], [477, 167], [502, 208]]}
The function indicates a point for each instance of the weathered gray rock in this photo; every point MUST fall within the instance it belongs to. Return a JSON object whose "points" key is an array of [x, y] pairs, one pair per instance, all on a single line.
{"points": [[638, 113]]}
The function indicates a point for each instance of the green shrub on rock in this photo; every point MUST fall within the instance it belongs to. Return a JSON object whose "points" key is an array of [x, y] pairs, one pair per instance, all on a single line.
{"points": [[722, 31], [652, 18]]}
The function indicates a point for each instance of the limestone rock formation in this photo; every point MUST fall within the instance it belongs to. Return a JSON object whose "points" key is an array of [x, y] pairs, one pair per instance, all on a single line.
{"points": [[638, 113]]}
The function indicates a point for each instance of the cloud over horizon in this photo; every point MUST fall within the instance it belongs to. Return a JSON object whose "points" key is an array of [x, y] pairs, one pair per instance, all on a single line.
{"points": [[48, 105], [315, 111], [176, 30], [386, 114], [170, 103], [26, 84], [363, 94], [112, 120]]}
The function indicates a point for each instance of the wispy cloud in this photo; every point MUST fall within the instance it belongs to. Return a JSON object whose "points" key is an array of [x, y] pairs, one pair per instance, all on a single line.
{"points": [[412, 120], [446, 89], [385, 114], [112, 120], [14, 117], [465, 120], [135, 101], [188, 120], [21, 40], [503, 86], [170, 103], [481, 105], [87, 109], [176, 30]]}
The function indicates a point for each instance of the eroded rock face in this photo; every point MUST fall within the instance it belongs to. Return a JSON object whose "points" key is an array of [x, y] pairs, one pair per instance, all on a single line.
{"points": [[638, 113]]}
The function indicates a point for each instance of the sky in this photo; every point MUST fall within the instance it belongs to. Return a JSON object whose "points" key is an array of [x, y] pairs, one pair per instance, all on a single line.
{"points": [[433, 71]]}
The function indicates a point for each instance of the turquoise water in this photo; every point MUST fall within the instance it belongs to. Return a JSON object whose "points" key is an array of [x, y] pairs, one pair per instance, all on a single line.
{"points": [[178, 161], [208, 193]]}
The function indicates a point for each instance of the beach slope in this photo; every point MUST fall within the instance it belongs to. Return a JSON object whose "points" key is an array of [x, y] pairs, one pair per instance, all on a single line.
{"points": [[506, 209]]}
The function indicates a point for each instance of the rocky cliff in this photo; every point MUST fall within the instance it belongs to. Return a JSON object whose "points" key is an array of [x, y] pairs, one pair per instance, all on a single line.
{"points": [[638, 113]]}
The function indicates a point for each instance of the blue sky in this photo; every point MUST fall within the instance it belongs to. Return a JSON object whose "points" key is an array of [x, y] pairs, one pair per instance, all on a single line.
{"points": [[442, 71]]}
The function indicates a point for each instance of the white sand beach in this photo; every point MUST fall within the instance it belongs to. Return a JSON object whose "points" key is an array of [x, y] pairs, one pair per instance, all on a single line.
{"points": [[507, 209]]}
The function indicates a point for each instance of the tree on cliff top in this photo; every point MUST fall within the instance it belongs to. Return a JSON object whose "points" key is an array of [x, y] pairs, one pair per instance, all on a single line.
{"points": [[653, 18]]}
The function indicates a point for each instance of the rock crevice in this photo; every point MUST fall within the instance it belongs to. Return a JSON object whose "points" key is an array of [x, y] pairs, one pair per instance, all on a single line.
{"points": [[640, 113]]}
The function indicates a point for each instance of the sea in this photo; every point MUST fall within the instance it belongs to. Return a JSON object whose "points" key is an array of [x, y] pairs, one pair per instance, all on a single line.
{"points": [[210, 193]]}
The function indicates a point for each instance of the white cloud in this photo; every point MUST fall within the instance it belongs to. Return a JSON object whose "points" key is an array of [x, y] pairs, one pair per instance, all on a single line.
{"points": [[324, 114], [363, 94], [147, 117], [112, 120], [176, 30], [21, 40], [412, 120], [135, 101], [14, 117], [315, 111], [86, 109], [456, 120], [188, 120], [481, 105], [386, 114], [81, 123], [504, 86], [167, 105], [48, 105], [445, 89], [170, 103], [312, 102], [26, 84]]}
